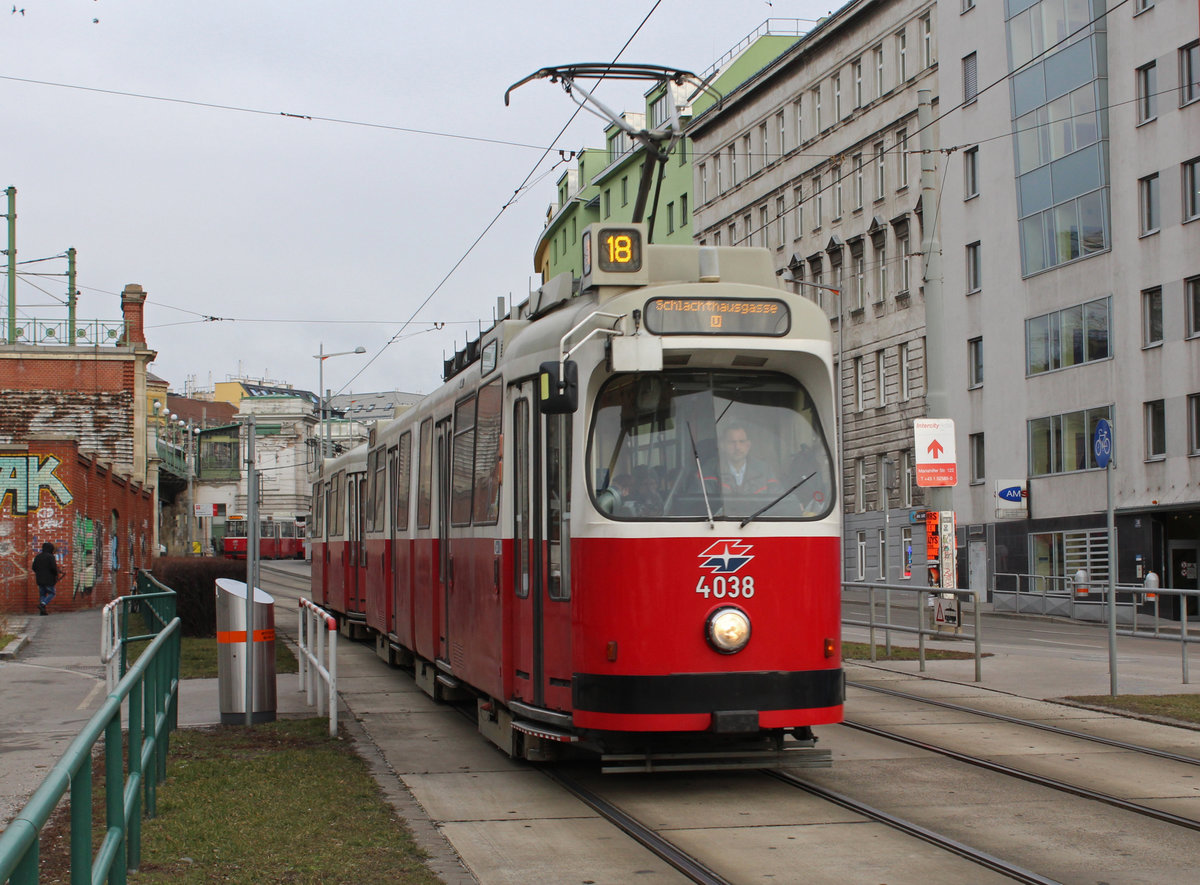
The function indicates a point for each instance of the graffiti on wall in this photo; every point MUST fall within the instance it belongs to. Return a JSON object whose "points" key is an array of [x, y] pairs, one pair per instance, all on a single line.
{"points": [[86, 554], [22, 478]]}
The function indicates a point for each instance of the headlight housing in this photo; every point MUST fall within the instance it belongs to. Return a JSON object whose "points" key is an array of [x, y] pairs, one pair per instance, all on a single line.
{"points": [[728, 629]]}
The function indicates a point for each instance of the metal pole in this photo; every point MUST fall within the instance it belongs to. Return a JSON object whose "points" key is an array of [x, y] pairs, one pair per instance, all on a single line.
{"points": [[189, 456], [1112, 580], [12, 265], [72, 295], [321, 402], [251, 565]]}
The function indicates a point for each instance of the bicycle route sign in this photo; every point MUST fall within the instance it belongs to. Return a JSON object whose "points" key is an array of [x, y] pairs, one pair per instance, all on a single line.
{"points": [[1102, 442]]}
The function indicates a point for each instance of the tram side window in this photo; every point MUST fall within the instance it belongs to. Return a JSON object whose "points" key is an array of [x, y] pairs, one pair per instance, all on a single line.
{"points": [[558, 505], [377, 491], [337, 502], [318, 508], [462, 466], [425, 477], [403, 482], [488, 463]]}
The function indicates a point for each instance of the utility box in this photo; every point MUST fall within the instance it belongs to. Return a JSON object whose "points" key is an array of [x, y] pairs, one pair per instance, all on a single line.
{"points": [[232, 649]]}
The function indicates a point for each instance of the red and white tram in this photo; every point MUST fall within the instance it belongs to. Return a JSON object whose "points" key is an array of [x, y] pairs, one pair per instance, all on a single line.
{"points": [[615, 524]]}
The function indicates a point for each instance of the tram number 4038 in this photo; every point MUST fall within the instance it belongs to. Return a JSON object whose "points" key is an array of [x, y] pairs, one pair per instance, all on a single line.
{"points": [[721, 587]]}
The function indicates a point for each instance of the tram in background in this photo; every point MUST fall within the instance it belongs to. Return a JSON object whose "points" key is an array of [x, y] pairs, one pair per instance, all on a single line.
{"points": [[278, 538], [615, 526]]}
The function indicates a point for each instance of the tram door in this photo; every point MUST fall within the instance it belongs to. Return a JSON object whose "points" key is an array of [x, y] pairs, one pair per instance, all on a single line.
{"points": [[526, 604], [356, 555], [441, 604]]}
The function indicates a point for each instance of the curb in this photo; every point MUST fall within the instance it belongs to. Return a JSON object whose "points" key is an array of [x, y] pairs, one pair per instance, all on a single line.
{"points": [[14, 647]]}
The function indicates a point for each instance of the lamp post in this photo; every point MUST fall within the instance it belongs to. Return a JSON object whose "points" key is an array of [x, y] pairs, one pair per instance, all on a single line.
{"points": [[323, 395]]}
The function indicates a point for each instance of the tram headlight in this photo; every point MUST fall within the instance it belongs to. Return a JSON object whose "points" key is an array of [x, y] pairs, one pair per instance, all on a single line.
{"points": [[728, 630]]}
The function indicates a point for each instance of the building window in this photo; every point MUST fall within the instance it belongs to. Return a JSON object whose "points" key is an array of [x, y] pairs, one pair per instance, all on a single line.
{"points": [[1189, 73], [859, 294], [818, 201], [857, 74], [878, 54], [607, 202], [733, 240], [968, 5], [1068, 337], [906, 553], [798, 198], [882, 554], [860, 485], [683, 210], [781, 125], [1191, 189], [904, 368], [971, 172], [717, 170], [836, 172], [901, 56], [906, 479], [837, 97], [880, 379], [970, 78], [975, 363], [1063, 443], [703, 183], [731, 154], [766, 147], [764, 225], [816, 97], [670, 218], [882, 278], [926, 42], [1191, 297], [798, 116], [977, 467], [1142, 5], [861, 548], [716, 238], [902, 157], [1152, 316], [974, 269], [625, 189], [780, 222], [748, 151], [1194, 424], [748, 232], [880, 177], [858, 384], [1156, 430], [905, 266], [858, 181], [881, 482], [1148, 205], [1147, 89]]}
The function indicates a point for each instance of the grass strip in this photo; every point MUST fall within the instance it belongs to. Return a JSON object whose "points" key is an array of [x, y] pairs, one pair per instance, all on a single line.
{"points": [[1180, 707], [198, 657], [278, 802], [861, 651]]}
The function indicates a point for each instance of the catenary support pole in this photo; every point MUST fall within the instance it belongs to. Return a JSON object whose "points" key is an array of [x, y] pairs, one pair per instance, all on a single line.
{"points": [[251, 565]]}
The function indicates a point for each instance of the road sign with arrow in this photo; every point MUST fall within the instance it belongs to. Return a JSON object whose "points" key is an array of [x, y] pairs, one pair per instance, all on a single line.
{"points": [[933, 439]]}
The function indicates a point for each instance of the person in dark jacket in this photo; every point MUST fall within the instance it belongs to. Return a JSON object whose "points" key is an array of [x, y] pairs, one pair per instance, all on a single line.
{"points": [[45, 571]]}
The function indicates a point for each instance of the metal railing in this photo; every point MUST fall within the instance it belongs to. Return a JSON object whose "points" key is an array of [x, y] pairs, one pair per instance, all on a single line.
{"points": [[157, 608], [87, 332], [1153, 599], [314, 624], [151, 690], [923, 595]]}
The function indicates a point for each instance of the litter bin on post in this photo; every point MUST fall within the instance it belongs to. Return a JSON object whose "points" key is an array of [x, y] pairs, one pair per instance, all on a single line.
{"points": [[232, 649]]}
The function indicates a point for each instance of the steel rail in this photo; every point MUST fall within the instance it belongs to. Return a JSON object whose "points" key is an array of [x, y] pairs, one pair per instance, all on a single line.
{"points": [[1039, 780], [1013, 720], [982, 858], [631, 826]]}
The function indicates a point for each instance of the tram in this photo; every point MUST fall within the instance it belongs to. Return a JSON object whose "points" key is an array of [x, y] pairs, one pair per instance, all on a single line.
{"points": [[615, 526]]}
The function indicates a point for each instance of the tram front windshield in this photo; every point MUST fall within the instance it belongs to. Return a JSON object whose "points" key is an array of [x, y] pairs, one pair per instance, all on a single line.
{"points": [[699, 445]]}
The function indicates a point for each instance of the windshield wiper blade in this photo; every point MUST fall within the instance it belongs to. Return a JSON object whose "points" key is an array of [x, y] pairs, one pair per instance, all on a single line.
{"points": [[700, 474], [761, 510]]}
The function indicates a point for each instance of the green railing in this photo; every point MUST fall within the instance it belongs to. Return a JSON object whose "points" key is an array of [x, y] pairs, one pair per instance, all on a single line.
{"points": [[151, 688]]}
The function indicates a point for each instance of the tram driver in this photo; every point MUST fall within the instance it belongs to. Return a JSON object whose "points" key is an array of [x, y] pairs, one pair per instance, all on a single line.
{"points": [[743, 475]]}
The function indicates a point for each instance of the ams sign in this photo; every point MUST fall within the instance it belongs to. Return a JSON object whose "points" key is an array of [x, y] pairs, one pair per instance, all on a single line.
{"points": [[22, 478]]}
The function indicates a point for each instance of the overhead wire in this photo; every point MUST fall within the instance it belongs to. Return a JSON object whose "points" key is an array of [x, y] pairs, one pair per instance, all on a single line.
{"points": [[515, 196]]}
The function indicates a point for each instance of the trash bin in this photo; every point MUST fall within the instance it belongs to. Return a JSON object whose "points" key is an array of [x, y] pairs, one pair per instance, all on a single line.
{"points": [[231, 653]]}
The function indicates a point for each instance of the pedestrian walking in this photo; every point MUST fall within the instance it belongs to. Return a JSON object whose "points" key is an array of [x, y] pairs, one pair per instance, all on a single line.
{"points": [[46, 572]]}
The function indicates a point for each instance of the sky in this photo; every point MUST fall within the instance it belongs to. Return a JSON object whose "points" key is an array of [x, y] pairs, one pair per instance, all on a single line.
{"points": [[286, 177]]}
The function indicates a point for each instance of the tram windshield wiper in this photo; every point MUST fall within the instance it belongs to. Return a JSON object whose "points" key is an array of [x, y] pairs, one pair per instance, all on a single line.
{"points": [[761, 510], [700, 475]]}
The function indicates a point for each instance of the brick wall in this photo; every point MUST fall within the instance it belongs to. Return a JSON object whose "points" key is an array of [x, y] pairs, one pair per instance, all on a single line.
{"points": [[100, 522]]}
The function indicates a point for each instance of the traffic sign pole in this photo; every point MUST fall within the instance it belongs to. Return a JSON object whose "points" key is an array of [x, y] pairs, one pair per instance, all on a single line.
{"points": [[1102, 447]]}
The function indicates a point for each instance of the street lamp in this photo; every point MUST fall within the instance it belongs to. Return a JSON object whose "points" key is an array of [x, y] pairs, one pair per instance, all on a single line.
{"points": [[323, 395]]}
